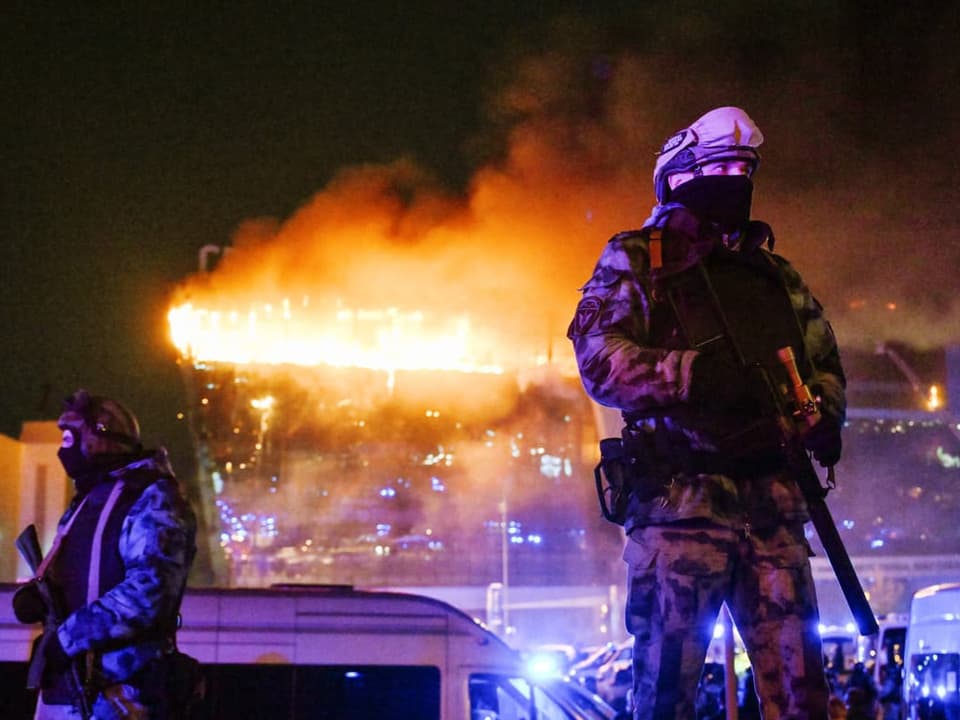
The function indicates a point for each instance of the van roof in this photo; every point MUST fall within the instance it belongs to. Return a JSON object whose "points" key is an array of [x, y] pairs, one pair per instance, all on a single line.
{"points": [[322, 623], [303, 600]]}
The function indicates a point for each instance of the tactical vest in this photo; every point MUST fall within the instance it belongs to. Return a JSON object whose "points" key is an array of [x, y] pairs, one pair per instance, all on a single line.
{"points": [[72, 564], [730, 302], [70, 569], [716, 300]]}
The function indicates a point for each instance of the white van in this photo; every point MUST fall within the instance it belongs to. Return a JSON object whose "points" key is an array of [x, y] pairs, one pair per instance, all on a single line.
{"points": [[332, 652], [882, 654], [932, 657]]}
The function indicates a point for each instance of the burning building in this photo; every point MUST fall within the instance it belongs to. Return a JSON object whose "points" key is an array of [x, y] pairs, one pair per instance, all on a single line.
{"points": [[389, 447], [381, 391]]}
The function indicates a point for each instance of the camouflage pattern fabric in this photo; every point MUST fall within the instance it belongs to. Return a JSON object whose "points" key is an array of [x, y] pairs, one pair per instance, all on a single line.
{"points": [[679, 576], [157, 545], [708, 538], [611, 335], [621, 368]]}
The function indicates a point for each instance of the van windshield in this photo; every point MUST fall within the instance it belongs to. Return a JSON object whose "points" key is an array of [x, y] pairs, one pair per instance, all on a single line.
{"points": [[933, 680], [502, 697]]}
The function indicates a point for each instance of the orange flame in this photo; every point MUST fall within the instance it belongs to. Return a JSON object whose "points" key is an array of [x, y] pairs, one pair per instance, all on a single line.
{"points": [[372, 339], [478, 282]]}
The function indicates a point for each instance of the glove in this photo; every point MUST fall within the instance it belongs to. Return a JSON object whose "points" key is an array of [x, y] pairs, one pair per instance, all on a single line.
{"points": [[717, 382], [30, 604], [823, 440]]}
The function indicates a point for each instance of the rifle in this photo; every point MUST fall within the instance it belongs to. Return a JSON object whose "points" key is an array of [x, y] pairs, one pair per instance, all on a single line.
{"points": [[28, 545], [815, 495], [806, 410]]}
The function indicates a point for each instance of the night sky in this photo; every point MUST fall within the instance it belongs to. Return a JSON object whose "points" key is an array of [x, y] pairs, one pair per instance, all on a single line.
{"points": [[132, 137]]}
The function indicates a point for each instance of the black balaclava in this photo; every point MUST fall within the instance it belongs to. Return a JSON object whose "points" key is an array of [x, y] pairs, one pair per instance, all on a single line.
{"points": [[723, 199], [87, 471]]}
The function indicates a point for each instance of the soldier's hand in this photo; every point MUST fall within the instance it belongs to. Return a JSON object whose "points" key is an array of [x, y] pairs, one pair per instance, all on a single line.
{"points": [[30, 603], [717, 382], [824, 441]]}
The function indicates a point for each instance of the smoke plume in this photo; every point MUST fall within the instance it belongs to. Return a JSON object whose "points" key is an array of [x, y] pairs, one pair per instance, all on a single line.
{"points": [[566, 162]]}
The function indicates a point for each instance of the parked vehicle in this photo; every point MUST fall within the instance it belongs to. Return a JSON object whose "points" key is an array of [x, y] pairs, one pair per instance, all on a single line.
{"points": [[590, 704], [585, 671], [615, 677], [839, 655], [615, 685], [932, 656], [882, 653], [330, 651]]}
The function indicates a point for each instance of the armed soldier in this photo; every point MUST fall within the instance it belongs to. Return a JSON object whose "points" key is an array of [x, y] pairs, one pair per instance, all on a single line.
{"points": [[679, 328], [109, 590]]}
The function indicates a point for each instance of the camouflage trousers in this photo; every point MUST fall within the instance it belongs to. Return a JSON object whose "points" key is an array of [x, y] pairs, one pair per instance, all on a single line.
{"points": [[679, 576]]}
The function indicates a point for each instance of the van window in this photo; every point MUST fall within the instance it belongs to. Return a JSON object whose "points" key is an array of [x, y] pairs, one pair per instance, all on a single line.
{"points": [[302, 692], [891, 652], [933, 684], [839, 657]]}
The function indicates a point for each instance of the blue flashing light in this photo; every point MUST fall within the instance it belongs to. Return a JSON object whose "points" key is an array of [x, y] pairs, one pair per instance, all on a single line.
{"points": [[540, 666]]}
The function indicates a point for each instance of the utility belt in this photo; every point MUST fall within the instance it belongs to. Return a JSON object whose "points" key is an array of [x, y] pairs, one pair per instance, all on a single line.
{"points": [[644, 460]]}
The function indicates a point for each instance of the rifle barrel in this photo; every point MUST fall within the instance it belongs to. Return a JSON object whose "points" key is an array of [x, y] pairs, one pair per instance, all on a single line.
{"points": [[833, 545]]}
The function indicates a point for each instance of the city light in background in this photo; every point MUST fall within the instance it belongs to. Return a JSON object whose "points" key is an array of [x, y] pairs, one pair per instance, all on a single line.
{"points": [[426, 423], [439, 444]]}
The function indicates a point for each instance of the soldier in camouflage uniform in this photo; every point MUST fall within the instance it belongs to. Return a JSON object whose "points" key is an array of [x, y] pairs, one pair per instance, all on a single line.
{"points": [[712, 514], [129, 532]]}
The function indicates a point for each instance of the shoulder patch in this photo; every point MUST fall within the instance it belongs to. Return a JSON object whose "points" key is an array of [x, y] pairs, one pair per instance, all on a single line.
{"points": [[588, 310]]}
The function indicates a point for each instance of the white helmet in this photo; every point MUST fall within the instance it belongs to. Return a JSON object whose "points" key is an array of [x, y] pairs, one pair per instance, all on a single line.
{"points": [[725, 133]]}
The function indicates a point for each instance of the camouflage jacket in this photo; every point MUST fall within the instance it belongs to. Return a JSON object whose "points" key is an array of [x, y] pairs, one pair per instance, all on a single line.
{"points": [[622, 367], [142, 575]]}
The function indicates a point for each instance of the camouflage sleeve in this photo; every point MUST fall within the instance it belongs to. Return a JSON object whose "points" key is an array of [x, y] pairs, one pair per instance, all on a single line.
{"points": [[610, 335], [157, 544], [827, 379]]}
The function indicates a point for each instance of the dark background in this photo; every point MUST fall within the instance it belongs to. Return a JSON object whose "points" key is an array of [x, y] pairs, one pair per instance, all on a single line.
{"points": [[134, 134]]}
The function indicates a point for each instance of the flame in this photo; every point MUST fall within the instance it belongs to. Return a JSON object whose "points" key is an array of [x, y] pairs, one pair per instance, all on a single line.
{"points": [[388, 339]]}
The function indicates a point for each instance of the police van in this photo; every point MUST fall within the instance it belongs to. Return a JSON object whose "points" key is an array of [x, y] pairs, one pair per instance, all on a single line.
{"points": [[932, 656], [333, 652]]}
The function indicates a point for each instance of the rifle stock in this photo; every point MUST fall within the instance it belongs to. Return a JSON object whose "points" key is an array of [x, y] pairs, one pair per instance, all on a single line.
{"points": [[28, 545]]}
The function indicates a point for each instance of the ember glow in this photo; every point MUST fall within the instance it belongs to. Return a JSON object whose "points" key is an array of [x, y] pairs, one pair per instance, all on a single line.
{"points": [[300, 334]]}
